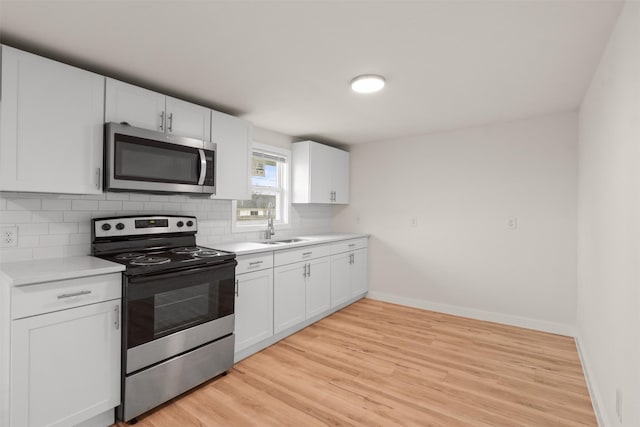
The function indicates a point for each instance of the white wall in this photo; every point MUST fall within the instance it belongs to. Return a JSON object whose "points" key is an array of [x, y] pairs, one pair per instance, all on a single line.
{"points": [[609, 235], [462, 187]]}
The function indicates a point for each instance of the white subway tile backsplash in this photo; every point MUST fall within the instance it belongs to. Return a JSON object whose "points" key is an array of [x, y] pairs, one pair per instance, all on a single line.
{"points": [[139, 197], [48, 252], [32, 229], [153, 206], [48, 216], [12, 255], [117, 196], [28, 241], [15, 217], [56, 205], [56, 225], [111, 205], [24, 204], [132, 206], [84, 205], [63, 227], [54, 240], [77, 216]]}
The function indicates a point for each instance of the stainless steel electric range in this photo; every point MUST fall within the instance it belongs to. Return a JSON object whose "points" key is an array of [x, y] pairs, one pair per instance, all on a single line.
{"points": [[178, 301]]}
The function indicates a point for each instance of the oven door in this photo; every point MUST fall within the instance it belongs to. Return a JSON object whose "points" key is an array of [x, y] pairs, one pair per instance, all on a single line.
{"points": [[144, 160], [170, 313]]}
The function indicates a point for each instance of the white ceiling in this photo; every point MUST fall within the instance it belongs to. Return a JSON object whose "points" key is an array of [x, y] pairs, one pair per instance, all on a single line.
{"points": [[286, 66]]}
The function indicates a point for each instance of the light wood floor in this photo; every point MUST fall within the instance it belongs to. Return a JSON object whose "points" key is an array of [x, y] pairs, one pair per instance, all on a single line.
{"points": [[379, 364]]}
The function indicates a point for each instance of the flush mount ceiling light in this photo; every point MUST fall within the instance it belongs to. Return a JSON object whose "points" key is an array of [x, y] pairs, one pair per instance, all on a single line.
{"points": [[367, 83]]}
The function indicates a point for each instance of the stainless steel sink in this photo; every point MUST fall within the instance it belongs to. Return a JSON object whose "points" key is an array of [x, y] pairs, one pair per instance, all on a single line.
{"points": [[281, 242]]}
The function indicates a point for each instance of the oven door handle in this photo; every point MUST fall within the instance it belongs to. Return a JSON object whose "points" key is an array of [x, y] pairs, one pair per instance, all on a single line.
{"points": [[181, 272]]}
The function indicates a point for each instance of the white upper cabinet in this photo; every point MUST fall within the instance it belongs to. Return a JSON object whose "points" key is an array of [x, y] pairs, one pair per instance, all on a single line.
{"points": [[152, 110], [187, 119], [320, 173], [134, 105], [51, 126], [233, 139]]}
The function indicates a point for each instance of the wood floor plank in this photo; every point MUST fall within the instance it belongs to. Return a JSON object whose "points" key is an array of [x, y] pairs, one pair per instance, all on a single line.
{"points": [[380, 364]]}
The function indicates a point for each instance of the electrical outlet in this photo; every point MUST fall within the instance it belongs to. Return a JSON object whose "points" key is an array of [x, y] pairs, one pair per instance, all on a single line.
{"points": [[619, 404], [8, 237], [512, 223], [414, 221]]}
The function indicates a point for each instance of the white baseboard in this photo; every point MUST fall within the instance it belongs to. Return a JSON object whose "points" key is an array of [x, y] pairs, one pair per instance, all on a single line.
{"points": [[506, 319], [594, 393]]}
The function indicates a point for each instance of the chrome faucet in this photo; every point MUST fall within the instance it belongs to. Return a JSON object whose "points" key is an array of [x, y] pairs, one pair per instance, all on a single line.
{"points": [[270, 231]]}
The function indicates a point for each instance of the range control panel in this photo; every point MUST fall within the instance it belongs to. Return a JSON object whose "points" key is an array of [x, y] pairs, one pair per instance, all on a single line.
{"points": [[143, 225]]}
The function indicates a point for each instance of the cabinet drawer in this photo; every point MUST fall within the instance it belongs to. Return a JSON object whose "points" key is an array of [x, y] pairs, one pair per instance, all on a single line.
{"points": [[289, 256], [348, 245], [43, 298], [255, 262]]}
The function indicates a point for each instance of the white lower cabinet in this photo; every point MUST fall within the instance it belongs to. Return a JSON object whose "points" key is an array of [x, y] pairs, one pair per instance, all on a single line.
{"points": [[348, 270], [65, 365], [289, 295], [254, 307], [285, 290], [318, 286]]}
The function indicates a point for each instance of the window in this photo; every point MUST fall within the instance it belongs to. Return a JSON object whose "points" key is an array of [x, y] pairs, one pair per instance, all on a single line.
{"points": [[269, 190]]}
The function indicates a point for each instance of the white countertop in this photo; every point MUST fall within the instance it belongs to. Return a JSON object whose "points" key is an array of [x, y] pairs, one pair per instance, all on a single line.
{"points": [[244, 248], [47, 270]]}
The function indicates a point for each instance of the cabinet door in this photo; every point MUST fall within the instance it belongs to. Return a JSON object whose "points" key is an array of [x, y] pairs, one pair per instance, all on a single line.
{"points": [[135, 105], [358, 275], [52, 126], [65, 365], [187, 119], [318, 286], [320, 179], [340, 176], [340, 276], [254, 308], [232, 136], [289, 298]]}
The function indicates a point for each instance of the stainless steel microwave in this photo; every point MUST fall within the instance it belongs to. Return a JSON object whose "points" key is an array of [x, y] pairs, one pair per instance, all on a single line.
{"points": [[144, 160]]}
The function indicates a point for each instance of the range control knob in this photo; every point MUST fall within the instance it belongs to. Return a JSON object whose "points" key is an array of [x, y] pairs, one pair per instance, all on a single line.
{"points": [[189, 223], [120, 226], [180, 224], [106, 226]]}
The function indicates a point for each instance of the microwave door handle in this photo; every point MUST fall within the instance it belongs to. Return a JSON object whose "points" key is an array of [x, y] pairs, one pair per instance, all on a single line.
{"points": [[203, 167]]}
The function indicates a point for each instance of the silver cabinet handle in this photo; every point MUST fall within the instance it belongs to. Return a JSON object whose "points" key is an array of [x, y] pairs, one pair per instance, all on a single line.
{"points": [[74, 294], [98, 178], [352, 245], [116, 322], [352, 259], [203, 167], [237, 287], [162, 121], [170, 124], [255, 263], [304, 271], [309, 271], [306, 253]]}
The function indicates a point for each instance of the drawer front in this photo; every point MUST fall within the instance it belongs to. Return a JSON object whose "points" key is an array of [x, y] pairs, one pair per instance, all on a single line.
{"points": [[349, 245], [289, 256], [47, 297], [254, 262]]}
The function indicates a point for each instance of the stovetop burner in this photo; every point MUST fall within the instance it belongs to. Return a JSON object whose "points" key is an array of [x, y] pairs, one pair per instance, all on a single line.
{"points": [[186, 250], [129, 256], [207, 253], [150, 260]]}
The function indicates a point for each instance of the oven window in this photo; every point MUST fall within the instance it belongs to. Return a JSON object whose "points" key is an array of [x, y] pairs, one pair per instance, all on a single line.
{"points": [[163, 304], [145, 160], [176, 309]]}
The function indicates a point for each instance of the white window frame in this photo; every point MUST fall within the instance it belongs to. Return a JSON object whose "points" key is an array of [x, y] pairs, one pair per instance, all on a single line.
{"points": [[285, 221]]}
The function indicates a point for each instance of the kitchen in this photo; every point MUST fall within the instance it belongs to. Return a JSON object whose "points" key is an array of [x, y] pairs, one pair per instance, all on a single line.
{"points": [[500, 188]]}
